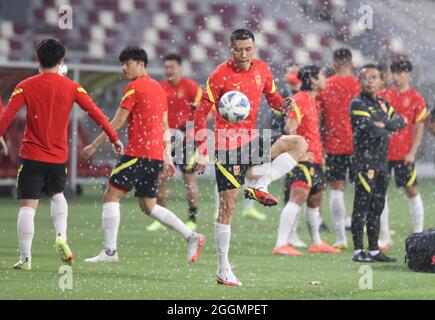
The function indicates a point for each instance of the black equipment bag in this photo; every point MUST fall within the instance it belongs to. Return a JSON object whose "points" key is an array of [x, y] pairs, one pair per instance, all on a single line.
{"points": [[420, 251]]}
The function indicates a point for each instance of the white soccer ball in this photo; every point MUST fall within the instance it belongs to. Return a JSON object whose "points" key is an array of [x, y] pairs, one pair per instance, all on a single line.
{"points": [[234, 106], [63, 69]]}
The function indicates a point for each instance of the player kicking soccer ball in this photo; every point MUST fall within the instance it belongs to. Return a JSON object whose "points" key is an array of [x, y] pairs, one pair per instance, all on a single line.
{"points": [[49, 98], [253, 78], [145, 106]]}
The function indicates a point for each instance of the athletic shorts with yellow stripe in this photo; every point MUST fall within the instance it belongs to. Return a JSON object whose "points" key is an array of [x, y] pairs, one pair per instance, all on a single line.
{"points": [[405, 175], [310, 176], [231, 165], [139, 173]]}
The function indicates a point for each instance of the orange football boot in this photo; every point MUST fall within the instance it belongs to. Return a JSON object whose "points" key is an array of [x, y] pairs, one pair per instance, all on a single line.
{"points": [[323, 248], [286, 250]]}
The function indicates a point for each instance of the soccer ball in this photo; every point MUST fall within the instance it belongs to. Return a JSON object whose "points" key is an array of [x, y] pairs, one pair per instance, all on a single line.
{"points": [[63, 69], [234, 106]]}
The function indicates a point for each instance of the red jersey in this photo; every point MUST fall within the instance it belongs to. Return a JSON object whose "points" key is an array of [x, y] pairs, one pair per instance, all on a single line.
{"points": [[49, 98], [147, 102], [334, 103], [306, 113], [182, 101], [253, 83], [411, 106]]}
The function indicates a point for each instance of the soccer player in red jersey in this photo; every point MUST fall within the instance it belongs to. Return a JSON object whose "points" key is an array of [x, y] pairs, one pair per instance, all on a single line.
{"points": [[3, 145], [305, 183], [333, 103], [253, 78], [144, 107], [404, 144], [49, 98], [183, 97]]}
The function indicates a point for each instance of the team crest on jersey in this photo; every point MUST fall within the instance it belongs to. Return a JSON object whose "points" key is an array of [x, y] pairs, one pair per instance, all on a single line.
{"points": [[406, 102], [258, 79], [236, 170], [371, 174]]}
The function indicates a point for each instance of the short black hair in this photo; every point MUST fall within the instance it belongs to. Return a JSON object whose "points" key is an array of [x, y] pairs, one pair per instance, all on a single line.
{"points": [[370, 66], [305, 74], [133, 53], [342, 56], [50, 52], [242, 34], [173, 56], [401, 64]]}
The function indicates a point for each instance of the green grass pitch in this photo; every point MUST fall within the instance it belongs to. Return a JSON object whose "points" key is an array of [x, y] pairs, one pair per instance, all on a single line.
{"points": [[153, 264]]}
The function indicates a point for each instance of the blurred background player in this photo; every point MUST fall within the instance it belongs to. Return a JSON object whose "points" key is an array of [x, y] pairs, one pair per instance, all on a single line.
{"points": [[333, 104], [3, 145], [373, 119], [42, 167], [144, 108], [404, 144], [253, 78], [292, 86], [183, 97], [385, 76], [305, 183]]}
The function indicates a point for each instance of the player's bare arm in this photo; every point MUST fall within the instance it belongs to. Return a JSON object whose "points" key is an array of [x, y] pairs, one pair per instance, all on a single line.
{"points": [[417, 137], [117, 123]]}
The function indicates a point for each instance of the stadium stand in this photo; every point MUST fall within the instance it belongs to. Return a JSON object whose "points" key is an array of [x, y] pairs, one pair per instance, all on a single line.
{"points": [[286, 31]]}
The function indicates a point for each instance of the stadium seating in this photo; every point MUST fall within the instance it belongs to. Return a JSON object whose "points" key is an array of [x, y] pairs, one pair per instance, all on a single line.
{"points": [[104, 27], [199, 30]]}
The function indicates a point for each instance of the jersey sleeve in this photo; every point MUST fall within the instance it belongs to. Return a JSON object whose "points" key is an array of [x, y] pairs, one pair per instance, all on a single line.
{"points": [[420, 110], [395, 122], [128, 99], [271, 93], [211, 94], [297, 113], [196, 93], [361, 119], [16, 102], [85, 102]]}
